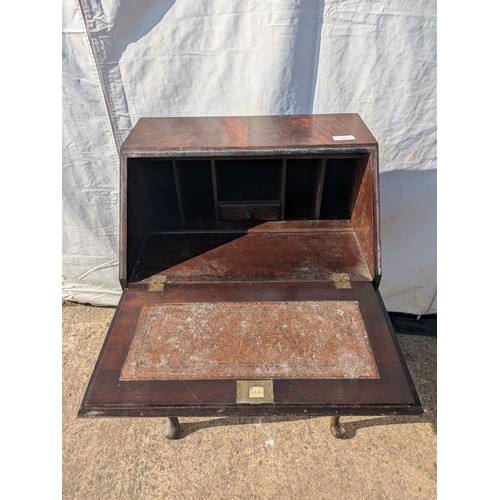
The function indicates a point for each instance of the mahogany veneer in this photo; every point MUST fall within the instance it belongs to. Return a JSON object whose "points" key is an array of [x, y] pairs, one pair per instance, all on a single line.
{"points": [[250, 260]]}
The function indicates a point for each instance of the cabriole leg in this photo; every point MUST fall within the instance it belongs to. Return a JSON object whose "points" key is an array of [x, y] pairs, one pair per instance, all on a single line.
{"points": [[172, 428], [335, 428]]}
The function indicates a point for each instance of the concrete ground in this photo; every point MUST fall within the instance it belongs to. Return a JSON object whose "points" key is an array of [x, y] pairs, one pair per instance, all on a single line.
{"points": [[242, 458]]}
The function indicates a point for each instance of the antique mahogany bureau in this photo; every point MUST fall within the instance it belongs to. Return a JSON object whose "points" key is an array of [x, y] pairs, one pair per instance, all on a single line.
{"points": [[250, 263]]}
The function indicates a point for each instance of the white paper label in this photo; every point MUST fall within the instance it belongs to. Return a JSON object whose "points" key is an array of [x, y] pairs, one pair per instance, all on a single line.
{"points": [[343, 138], [256, 392]]}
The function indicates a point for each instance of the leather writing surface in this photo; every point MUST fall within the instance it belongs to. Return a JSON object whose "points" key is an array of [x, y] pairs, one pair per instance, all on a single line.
{"points": [[300, 339]]}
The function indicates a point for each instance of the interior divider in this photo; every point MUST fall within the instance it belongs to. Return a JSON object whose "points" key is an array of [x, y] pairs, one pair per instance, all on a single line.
{"points": [[283, 189], [319, 188], [214, 189], [178, 190]]}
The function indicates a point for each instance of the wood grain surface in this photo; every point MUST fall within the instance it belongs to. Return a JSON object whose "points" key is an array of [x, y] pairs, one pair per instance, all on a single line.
{"points": [[212, 134], [270, 256]]}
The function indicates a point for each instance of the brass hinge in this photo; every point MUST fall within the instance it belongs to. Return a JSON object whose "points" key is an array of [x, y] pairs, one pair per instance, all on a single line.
{"points": [[341, 280], [157, 283]]}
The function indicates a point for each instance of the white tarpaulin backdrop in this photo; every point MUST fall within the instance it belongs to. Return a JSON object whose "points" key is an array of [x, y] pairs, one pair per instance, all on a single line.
{"points": [[124, 59]]}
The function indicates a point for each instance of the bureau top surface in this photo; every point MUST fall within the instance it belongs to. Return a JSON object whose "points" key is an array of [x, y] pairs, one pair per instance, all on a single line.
{"points": [[273, 134]]}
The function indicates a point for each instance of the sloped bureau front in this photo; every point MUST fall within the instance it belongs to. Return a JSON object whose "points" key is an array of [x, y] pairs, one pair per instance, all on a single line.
{"points": [[250, 262]]}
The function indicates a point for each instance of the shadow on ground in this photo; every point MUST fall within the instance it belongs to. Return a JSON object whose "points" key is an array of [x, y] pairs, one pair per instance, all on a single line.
{"points": [[350, 428]]}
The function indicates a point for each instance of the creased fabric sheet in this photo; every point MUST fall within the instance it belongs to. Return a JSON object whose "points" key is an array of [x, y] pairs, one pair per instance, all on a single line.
{"points": [[125, 59]]}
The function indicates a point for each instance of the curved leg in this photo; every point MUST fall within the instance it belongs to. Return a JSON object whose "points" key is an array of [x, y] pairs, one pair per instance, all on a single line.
{"points": [[172, 428], [335, 428]]}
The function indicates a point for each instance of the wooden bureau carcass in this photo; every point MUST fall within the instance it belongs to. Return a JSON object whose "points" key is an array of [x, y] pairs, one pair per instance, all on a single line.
{"points": [[250, 261]]}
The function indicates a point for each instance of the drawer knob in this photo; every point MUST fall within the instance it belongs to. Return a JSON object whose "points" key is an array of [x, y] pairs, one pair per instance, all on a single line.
{"points": [[248, 214]]}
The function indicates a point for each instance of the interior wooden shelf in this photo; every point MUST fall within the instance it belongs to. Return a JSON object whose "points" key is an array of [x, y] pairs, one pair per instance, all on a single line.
{"points": [[303, 188], [300, 251]]}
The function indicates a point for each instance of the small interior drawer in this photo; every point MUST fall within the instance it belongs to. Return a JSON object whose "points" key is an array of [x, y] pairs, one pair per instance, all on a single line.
{"points": [[249, 210]]}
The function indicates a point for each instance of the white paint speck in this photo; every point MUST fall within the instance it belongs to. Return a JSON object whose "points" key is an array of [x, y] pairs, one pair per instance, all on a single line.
{"points": [[270, 442]]}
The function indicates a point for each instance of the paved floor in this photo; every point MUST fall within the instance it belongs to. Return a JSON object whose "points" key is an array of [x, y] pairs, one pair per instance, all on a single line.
{"points": [[226, 458]]}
